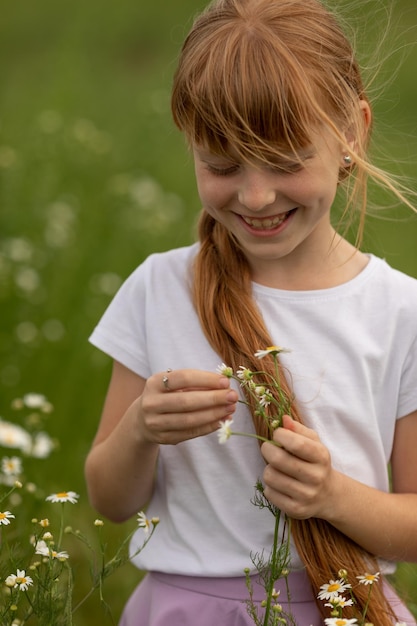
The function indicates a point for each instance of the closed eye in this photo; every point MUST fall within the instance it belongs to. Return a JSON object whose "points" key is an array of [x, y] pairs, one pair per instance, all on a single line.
{"points": [[290, 167], [222, 171]]}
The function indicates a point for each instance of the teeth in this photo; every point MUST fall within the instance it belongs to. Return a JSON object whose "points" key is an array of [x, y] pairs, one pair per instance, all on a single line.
{"points": [[267, 223]]}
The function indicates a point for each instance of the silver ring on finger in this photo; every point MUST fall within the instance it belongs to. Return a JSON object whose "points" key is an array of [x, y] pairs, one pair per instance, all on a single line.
{"points": [[165, 380]]}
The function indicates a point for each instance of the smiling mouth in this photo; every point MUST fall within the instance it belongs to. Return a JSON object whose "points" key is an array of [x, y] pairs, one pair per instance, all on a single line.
{"points": [[268, 223]]}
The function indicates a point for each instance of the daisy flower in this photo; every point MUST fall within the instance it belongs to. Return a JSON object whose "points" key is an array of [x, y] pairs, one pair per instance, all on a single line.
{"points": [[60, 556], [63, 496], [332, 589], [224, 432], [36, 401], [19, 580], [144, 522], [5, 518], [14, 436], [225, 370], [368, 579], [264, 395], [244, 374], [43, 549], [11, 466], [44, 523], [339, 602], [274, 350], [339, 621], [42, 446]]}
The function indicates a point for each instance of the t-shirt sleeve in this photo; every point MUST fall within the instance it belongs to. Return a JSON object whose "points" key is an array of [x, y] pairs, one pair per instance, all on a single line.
{"points": [[121, 332]]}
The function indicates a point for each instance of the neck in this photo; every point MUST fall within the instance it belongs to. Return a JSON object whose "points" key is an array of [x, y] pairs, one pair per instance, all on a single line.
{"points": [[340, 263]]}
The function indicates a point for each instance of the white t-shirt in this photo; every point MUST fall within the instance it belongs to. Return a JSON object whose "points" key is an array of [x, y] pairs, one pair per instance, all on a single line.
{"points": [[353, 363]]}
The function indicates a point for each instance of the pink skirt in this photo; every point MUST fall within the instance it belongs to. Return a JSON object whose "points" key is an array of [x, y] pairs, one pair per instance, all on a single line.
{"points": [[172, 600]]}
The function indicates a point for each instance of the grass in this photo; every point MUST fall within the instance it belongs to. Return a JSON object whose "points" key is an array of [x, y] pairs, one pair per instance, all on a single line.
{"points": [[93, 178]]}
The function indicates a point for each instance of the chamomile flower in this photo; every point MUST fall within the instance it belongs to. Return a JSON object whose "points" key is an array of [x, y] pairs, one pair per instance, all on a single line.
{"points": [[63, 496], [340, 621], [264, 395], [224, 433], [333, 589], [244, 374], [14, 436], [339, 602], [37, 401], [144, 522], [273, 350], [44, 523], [225, 370], [42, 446], [368, 579], [19, 580], [11, 466], [43, 549], [5, 517]]}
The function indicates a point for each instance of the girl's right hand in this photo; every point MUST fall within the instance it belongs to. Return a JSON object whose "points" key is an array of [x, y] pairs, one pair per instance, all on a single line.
{"points": [[189, 404]]}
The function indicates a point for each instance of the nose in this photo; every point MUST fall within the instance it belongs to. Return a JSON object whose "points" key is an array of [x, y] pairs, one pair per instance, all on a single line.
{"points": [[257, 189]]}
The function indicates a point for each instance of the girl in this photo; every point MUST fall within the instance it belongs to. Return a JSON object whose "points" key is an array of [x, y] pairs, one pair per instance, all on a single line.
{"points": [[270, 98]]}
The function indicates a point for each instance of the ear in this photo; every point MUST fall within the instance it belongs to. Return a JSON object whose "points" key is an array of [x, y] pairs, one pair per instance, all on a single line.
{"points": [[366, 119], [366, 113]]}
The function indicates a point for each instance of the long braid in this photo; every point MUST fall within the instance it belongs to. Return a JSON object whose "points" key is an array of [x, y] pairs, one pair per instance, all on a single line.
{"points": [[235, 328]]}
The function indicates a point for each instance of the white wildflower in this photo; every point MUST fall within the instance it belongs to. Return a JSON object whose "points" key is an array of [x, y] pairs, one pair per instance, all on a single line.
{"points": [[333, 589], [63, 496], [224, 432], [225, 370], [5, 517], [368, 579], [19, 580], [273, 350]]}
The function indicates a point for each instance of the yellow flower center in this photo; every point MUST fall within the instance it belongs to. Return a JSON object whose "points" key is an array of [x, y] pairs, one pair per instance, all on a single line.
{"points": [[340, 622], [2, 516], [20, 580], [63, 494], [333, 588]]}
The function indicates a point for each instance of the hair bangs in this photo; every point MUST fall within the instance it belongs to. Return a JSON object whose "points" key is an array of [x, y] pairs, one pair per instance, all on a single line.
{"points": [[244, 95]]}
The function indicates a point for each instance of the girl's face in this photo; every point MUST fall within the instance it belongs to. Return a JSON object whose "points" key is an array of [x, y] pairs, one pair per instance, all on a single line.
{"points": [[280, 214]]}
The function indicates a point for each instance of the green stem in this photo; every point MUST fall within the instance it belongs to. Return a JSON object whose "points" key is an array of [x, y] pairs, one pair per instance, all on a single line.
{"points": [[61, 529], [253, 436], [273, 569], [365, 610]]}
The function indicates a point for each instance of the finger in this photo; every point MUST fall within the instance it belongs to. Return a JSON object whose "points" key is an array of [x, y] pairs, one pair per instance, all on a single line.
{"points": [[173, 428], [283, 468], [292, 507], [187, 379], [281, 483], [185, 420], [297, 427], [300, 441], [195, 400]]}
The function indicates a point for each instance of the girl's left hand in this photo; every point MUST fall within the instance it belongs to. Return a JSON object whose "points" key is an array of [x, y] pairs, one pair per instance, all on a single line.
{"points": [[299, 475]]}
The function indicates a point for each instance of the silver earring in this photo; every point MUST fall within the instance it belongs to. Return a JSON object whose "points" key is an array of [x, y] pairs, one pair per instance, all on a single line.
{"points": [[347, 160]]}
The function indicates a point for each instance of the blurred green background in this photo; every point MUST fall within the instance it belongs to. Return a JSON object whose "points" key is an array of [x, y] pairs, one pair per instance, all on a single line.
{"points": [[94, 177]]}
